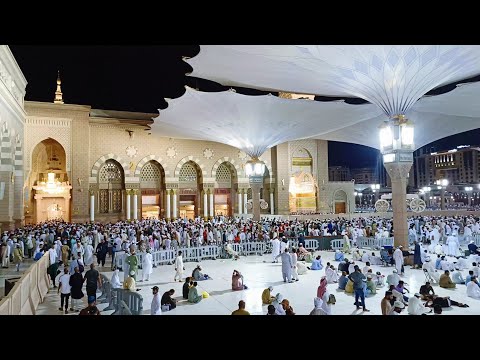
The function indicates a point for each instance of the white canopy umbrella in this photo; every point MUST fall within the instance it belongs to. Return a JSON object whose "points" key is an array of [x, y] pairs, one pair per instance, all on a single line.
{"points": [[254, 123], [393, 77]]}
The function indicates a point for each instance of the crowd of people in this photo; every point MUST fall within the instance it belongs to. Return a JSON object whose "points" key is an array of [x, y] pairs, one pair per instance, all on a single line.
{"points": [[73, 248]]}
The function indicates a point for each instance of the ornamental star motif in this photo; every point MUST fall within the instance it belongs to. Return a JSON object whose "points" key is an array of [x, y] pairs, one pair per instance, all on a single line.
{"points": [[131, 151], [171, 152], [207, 153]]}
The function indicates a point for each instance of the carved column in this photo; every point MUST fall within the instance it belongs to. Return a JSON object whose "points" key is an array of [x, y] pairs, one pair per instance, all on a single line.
{"points": [[245, 201], [174, 205], [212, 213], [256, 200], [272, 205], [92, 205], [205, 205], [240, 206], [167, 215], [135, 205], [399, 175], [127, 206]]}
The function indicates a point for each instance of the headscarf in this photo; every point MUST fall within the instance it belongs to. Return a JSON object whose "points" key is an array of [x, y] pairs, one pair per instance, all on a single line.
{"points": [[270, 288], [322, 288]]}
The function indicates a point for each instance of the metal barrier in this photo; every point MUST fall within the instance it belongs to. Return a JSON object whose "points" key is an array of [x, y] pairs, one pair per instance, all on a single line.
{"points": [[311, 244], [336, 244], [385, 242], [119, 257], [209, 252], [124, 310], [476, 238], [106, 287], [237, 247], [163, 257], [254, 248], [132, 300], [364, 242], [190, 254]]}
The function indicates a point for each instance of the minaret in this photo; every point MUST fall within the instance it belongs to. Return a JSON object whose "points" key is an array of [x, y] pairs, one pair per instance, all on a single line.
{"points": [[58, 93]]}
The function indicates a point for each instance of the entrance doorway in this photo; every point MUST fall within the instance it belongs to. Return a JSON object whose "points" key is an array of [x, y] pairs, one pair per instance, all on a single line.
{"points": [[340, 208], [150, 206], [187, 210]]}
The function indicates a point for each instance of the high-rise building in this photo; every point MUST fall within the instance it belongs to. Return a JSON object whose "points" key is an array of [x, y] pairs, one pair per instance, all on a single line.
{"points": [[460, 165], [339, 173], [367, 175]]}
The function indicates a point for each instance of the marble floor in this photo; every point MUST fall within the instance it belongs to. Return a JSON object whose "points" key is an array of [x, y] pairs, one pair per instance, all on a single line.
{"points": [[259, 273]]}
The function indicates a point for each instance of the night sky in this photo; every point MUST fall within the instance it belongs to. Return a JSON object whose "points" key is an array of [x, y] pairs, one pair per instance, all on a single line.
{"points": [[138, 78]]}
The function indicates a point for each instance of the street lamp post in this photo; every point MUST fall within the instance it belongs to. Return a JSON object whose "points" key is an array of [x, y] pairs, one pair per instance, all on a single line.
{"points": [[396, 145], [442, 185], [426, 190], [255, 169]]}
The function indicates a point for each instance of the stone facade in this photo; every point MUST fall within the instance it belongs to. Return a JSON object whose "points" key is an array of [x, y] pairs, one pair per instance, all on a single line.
{"points": [[114, 169]]}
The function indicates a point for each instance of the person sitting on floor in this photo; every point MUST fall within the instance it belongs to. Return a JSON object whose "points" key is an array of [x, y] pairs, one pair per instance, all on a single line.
{"points": [[301, 268], [375, 260], [267, 297], [445, 281], [316, 264], [365, 257], [469, 277], [415, 305], [457, 277], [186, 287], [473, 289], [393, 278], [370, 286], [193, 296], [339, 256], [427, 292], [271, 310], [286, 306], [349, 287], [167, 300], [277, 303], [317, 310], [237, 281], [379, 279], [331, 274], [342, 281], [198, 276]]}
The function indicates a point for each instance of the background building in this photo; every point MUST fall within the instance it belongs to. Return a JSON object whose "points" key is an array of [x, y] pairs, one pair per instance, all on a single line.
{"points": [[339, 173], [459, 166]]}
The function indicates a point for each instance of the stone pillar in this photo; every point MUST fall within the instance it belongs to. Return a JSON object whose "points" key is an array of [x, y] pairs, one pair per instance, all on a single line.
{"points": [[127, 206], [256, 200], [442, 197], [167, 215], [92, 206], [174, 205], [18, 206], [272, 205], [240, 206], [245, 201], [399, 176], [212, 212], [205, 205], [135, 205]]}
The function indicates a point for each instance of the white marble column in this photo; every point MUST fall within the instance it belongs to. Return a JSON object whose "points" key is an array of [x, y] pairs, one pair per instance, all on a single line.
{"points": [[174, 205], [212, 213], [127, 205], [245, 201], [92, 206], [272, 205], [167, 215], [240, 206], [205, 205], [135, 208]]}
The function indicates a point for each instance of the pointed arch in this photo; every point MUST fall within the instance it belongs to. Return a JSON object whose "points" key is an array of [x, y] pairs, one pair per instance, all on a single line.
{"points": [[196, 161], [148, 158], [99, 163], [238, 168]]}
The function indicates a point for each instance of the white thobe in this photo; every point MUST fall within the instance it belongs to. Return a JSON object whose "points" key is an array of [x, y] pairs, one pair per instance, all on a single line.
{"points": [[178, 267], [88, 258], [332, 276], [147, 266], [53, 256], [415, 306], [473, 290], [155, 308], [275, 249], [398, 257]]}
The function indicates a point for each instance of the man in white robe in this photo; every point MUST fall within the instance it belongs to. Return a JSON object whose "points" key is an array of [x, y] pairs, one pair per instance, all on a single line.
{"points": [[88, 257], [473, 289], [147, 265], [53, 256], [398, 258], [428, 265], [115, 281], [452, 245], [415, 305], [365, 257], [393, 278], [179, 267], [155, 308], [275, 249], [294, 257], [331, 275]]}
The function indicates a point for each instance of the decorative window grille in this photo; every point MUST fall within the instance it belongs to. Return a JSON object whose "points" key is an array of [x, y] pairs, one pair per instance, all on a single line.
{"points": [[188, 173], [150, 173], [104, 201]]}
